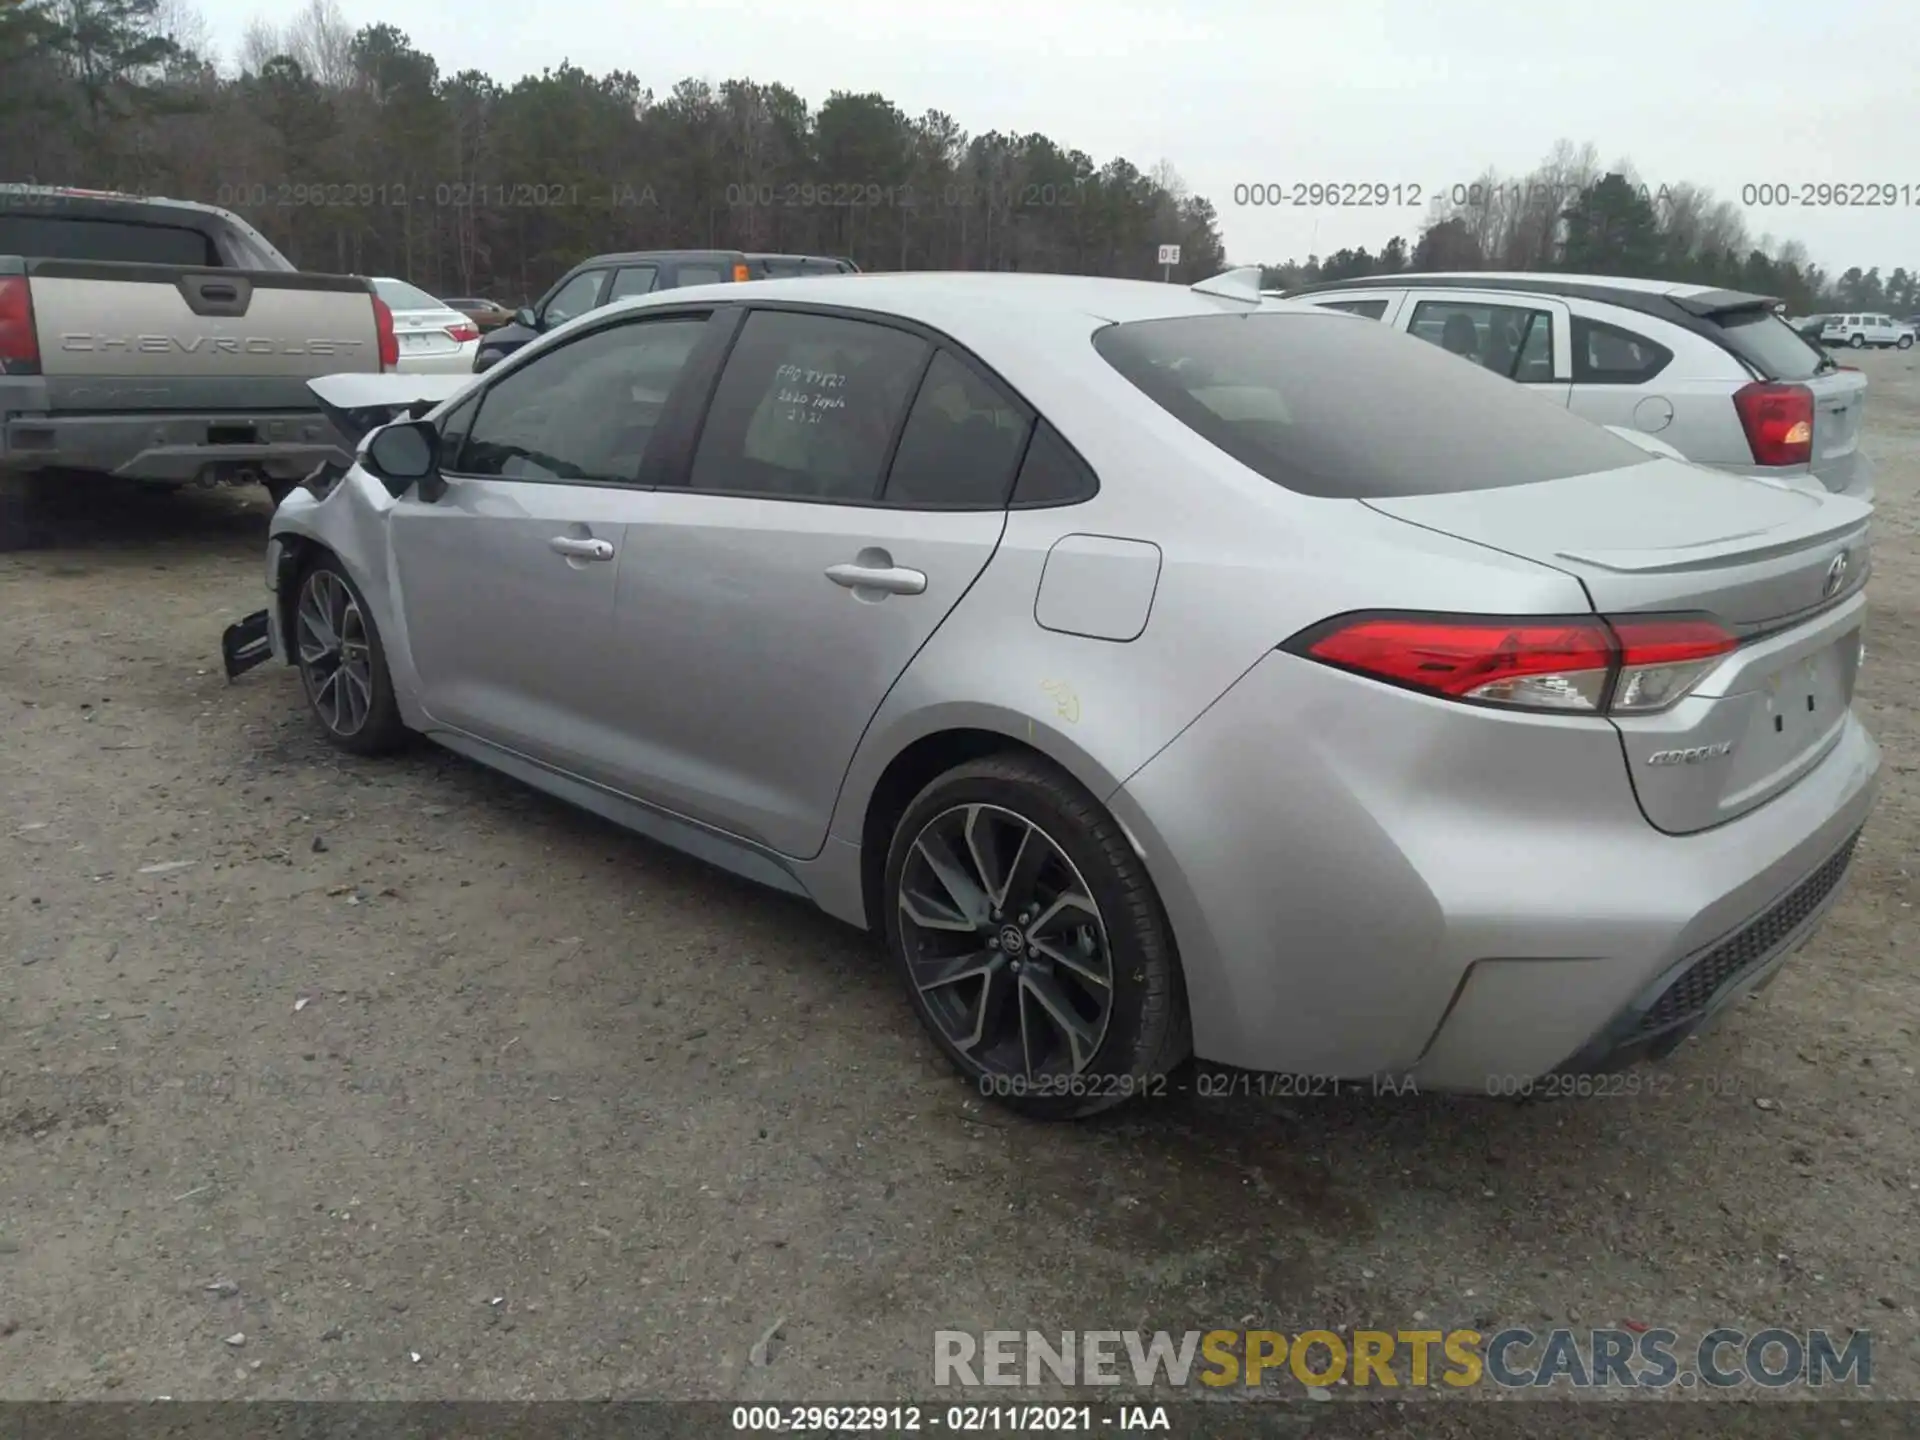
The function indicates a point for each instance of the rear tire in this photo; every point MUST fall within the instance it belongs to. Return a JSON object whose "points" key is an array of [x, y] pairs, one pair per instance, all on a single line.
{"points": [[342, 664], [1031, 942]]}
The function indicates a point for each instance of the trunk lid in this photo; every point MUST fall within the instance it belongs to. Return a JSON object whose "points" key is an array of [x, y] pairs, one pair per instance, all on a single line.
{"points": [[1781, 566], [426, 334], [1773, 350], [1839, 399]]}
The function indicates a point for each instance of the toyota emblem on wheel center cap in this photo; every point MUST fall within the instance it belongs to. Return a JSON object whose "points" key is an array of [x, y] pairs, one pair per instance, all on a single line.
{"points": [[1011, 940], [1836, 575]]}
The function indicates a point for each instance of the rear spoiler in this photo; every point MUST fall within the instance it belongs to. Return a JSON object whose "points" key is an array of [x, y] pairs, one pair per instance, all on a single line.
{"points": [[1724, 302], [360, 404]]}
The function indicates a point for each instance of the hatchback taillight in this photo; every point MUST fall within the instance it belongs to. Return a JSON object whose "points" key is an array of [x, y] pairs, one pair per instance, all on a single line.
{"points": [[1578, 665], [19, 343], [1778, 419]]}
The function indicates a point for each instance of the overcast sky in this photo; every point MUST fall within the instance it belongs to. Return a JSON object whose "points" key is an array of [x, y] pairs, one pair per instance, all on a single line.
{"points": [[1725, 93]]}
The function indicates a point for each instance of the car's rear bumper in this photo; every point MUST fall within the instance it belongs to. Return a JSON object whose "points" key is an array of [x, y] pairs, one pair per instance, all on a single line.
{"points": [[1364, 883], [172, 448]]}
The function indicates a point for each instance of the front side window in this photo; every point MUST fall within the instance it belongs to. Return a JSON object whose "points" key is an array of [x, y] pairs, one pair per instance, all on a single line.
{"points": [[807, 407], [963, 439], [583, 412], [576, 297], [1298, 398]]}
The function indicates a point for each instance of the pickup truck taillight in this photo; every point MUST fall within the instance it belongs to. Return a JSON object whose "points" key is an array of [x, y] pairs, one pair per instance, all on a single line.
{"points": [[1778, 420], [19, 344], [389, 342]]}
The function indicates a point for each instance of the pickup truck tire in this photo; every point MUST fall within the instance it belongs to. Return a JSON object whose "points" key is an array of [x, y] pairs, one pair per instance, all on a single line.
{"points": [[23, 520], [343, 666]]}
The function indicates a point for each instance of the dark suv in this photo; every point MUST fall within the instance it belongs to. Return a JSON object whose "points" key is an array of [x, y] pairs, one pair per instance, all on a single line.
{"points": [[604, 279]]}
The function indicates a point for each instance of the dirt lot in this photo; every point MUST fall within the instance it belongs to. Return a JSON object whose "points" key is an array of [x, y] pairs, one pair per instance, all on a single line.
{"points": [[564, 1115]]}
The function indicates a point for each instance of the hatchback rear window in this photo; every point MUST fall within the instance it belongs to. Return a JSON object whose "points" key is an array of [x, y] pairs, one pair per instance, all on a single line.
{"points": [[1769, 344], [1325, 407]]}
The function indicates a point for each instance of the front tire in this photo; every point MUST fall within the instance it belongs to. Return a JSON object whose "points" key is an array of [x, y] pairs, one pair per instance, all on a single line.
{"points": [[343, 665], [1905, 342], [1031, 943], [1857, 341]]}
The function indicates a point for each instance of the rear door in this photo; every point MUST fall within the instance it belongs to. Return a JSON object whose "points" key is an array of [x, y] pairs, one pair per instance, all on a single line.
{"points": [[507, 580], [826, 523], [1524, 337], [1780, 565]]}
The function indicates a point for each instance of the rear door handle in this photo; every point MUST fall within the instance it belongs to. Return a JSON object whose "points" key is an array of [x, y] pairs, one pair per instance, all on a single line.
{"points": [[891, 579], [576, 549]]}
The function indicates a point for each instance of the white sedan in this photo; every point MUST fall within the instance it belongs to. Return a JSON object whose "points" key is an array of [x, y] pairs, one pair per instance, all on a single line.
{"points": [[434, 338]]}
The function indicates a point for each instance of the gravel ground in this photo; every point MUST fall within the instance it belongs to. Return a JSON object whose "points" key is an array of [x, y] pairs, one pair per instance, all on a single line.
{"points": [[430, 1087]]}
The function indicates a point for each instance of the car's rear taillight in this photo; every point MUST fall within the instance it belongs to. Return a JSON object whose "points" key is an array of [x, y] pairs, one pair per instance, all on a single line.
{"points": [[1575, 665], [19, 343], [389, 342], [464, 333], [1778, 419]]}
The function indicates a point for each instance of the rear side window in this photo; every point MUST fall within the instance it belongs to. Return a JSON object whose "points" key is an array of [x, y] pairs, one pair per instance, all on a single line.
{"points": [[60, 237], [1298, 398], [808, 408], [1769, 344], [963, 439], [1607, 355], [1052, 474]]}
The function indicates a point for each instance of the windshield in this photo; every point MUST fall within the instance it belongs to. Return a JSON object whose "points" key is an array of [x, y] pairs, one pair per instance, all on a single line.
{"points": [[1300, 399], [401, 296]]}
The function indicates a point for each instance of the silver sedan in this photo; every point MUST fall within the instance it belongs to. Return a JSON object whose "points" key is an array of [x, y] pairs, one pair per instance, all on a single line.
{"points": [[1159, 670]]}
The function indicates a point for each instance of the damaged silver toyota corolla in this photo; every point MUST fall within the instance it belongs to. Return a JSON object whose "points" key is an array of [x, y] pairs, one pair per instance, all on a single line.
{"points": [[1159, 670]]}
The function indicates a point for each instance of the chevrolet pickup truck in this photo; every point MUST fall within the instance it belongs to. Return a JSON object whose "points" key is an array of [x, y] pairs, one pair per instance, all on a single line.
{"points": [[164, 342]]}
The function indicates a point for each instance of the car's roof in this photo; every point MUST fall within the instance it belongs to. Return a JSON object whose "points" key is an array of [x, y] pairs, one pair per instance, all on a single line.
{"points": [[942, 298], [619, 257], [1688, 305]]}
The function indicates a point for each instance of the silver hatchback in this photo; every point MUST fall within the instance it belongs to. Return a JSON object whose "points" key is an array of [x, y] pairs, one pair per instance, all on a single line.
{"points": [[1157, 670]]}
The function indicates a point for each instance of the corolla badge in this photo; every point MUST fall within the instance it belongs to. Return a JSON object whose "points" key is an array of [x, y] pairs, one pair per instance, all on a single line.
{"points": [[1836, 575], [1692, 756]]}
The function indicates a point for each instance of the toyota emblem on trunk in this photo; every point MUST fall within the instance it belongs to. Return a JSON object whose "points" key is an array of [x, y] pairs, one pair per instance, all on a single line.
{"points": [[1836, 575]]}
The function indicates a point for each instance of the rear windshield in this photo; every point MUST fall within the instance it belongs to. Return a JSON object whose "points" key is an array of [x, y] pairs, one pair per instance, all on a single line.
{"points": [[1327, 407], [401, 296], [1769, 344], [63, 237]]}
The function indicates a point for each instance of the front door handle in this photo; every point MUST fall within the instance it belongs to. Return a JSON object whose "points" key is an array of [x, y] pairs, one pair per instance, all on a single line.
{"points": [[889, 579], [575, 548]]}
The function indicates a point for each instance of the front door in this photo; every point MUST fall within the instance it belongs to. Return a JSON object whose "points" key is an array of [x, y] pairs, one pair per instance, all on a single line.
{"points": [[507, 580], [769, 603]]}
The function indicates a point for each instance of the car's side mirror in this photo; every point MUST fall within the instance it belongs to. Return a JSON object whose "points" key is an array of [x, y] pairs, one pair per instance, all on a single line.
{"points": [[525, 316], [404, 454]]}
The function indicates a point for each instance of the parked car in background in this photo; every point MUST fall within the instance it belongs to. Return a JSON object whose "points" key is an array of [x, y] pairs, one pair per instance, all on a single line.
{"points": [[604, 279], [487, 314], [788, 267], [1809, 327], [1717, 374], [433, 337], [1162, 698], [1859, 331], [164, 342]]}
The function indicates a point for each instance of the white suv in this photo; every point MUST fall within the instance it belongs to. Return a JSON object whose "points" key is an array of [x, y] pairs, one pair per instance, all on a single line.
{"points": [[1860, 330], [1715, 374]]}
